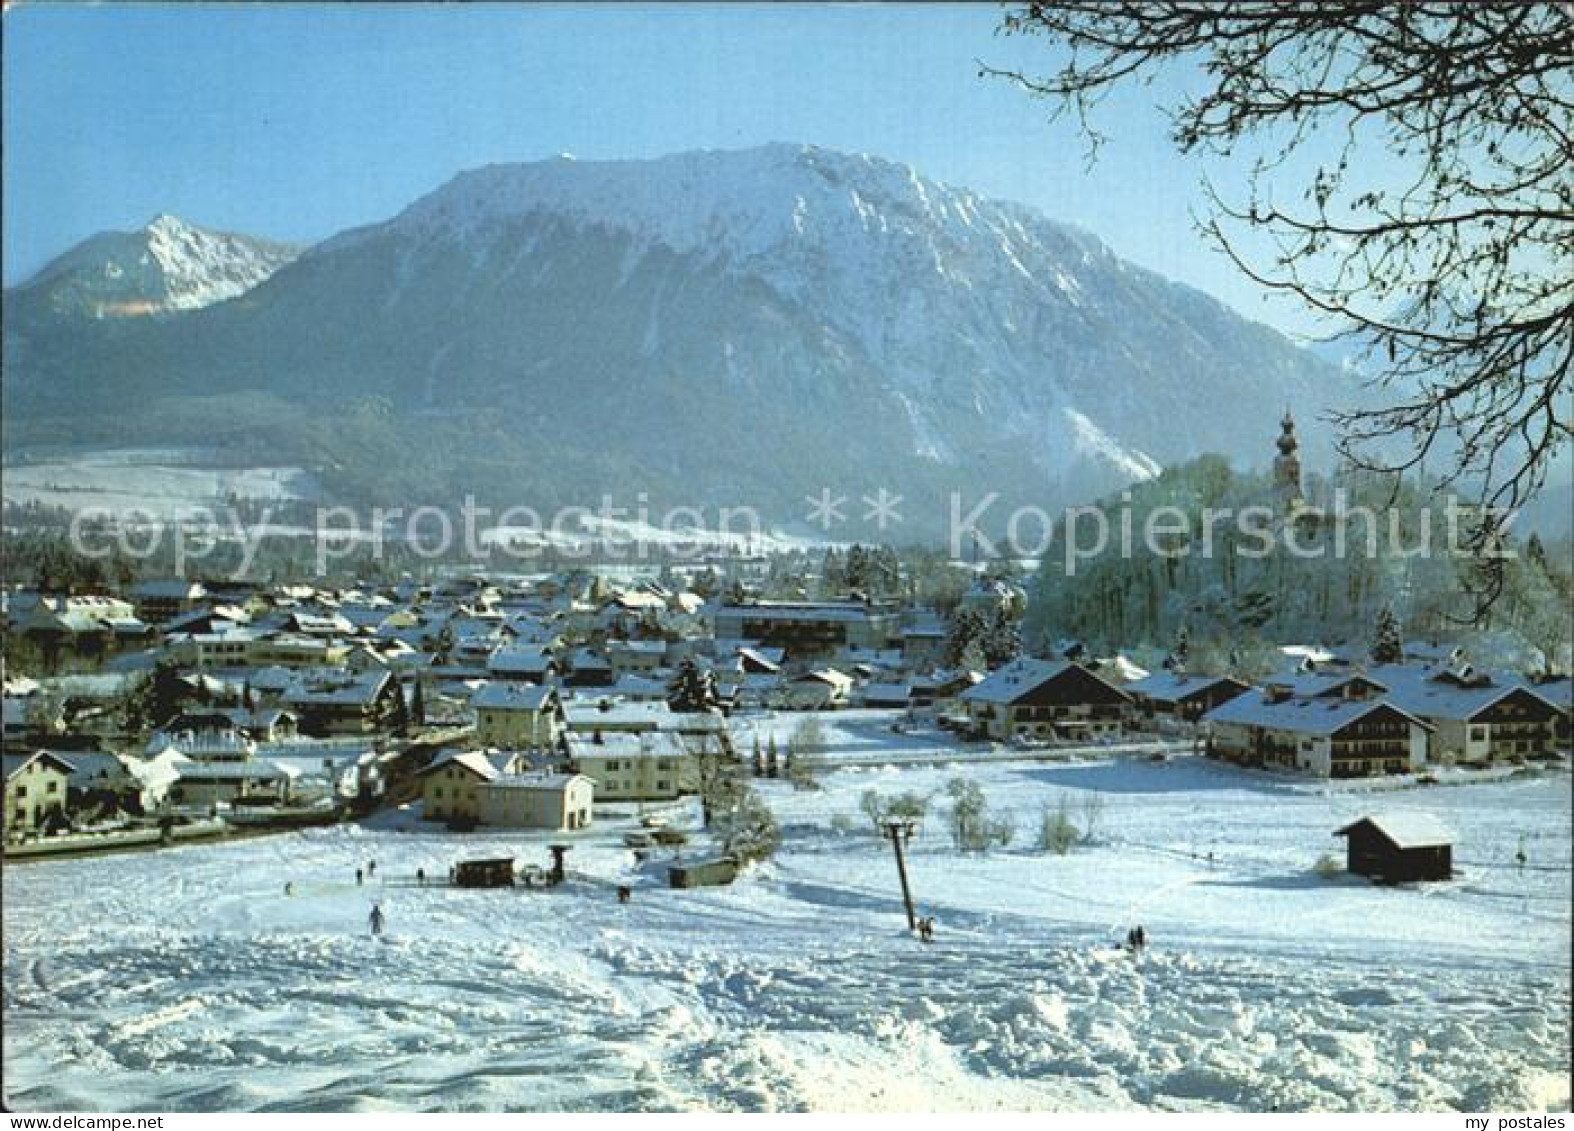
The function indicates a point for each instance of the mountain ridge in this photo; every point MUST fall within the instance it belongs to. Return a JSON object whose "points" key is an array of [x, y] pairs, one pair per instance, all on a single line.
{"points": [[823, 314]]}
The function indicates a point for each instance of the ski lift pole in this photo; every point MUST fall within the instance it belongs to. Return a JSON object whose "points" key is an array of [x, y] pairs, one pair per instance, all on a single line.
{"points": [[899, 830]]}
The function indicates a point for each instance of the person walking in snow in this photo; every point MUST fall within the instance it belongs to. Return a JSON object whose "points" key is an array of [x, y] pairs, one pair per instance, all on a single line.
{"points": [[359, 878], [375, 920], [371, 868]]}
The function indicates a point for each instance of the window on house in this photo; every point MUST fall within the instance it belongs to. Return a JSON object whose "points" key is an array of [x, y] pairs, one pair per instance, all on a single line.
{"points": [[52, 787], [21, 791]]}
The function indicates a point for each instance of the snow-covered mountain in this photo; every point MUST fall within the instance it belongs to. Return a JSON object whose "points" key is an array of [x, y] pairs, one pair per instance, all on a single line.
{"points": [[756, 324], [166, 265]]}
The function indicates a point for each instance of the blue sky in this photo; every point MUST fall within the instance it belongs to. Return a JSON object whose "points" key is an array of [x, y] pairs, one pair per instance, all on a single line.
{"points": [[297, 122]]}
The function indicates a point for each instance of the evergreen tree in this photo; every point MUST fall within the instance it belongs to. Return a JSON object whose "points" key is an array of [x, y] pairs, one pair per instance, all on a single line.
{"points": [[1387, 647], [398, 713], [418, 705], [967, 628], [1002, 641], [692, 690]]}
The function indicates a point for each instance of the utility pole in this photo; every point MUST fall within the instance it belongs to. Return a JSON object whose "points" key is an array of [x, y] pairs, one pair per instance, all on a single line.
{"points": [[899, 830]]}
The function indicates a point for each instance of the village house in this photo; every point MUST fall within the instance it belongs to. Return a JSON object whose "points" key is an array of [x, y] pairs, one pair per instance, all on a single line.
{"points": [[807, 629], [1043, 699], [263, 724], [823, 689], [888, 695], [537, 801], [160, 601], [589, 669], [942, 690], [636, 657], [1181, 695], [1475, 718], [251, 781], [203, 736], [451, 785], [36, 788], [89, 626], [328, 703], [518, 716], [605, 715], [522, 663], [1343, 733], [653, 766]]}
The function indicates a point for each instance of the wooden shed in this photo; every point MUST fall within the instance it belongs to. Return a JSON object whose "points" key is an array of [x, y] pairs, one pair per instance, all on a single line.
{"points": [[497, 873], [1399, 847], [704, 873]]}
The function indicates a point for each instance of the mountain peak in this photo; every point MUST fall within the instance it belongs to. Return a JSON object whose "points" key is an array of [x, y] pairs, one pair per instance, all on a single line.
{"points": [[169, 264]]}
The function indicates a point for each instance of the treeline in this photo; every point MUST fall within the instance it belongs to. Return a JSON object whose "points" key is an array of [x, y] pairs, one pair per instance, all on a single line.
{"points": [[1231, 596]]}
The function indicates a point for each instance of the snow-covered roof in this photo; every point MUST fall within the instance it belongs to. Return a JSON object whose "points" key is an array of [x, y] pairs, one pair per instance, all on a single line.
{"points": [[1021, 677], [1313, 684], [554, 783], [801, 611], [1406, 829], [513, 697], [483, 764], [531, 658], [623, 744], [1315, 716], [254, 769], [888, 692], [1172, 687], [1449, 693]]}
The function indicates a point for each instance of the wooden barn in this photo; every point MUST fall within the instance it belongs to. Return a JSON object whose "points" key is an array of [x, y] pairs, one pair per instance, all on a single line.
{"points": [[1399, 848], [497, 873]]}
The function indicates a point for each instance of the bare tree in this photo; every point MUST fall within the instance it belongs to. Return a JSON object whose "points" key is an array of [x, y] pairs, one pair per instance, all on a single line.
{"points": [[1458, 284]]}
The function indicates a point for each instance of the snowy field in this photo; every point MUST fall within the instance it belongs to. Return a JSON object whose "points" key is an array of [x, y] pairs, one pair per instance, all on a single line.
{"points": [[187, 979], [162, 483]]}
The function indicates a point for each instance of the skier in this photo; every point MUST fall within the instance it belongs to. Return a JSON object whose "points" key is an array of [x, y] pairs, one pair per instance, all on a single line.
{"points": [[624, 894], [359, 878], [420, 876], [1139, 939], [289, 887], [375, 920], [371, 868]]}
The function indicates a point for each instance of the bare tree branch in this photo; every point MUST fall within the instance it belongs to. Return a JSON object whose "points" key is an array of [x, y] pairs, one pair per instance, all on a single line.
{"points": [[1458, 287]]}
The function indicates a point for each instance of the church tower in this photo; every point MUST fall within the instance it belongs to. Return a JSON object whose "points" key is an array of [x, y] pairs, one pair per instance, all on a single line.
{"points": [[1287, 466]]}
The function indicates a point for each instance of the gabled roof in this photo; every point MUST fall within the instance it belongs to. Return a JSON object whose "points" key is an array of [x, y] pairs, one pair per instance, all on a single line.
{"points": [[1317, 684], [1314, 716], [513, 697], [339, 689], [1449, 693], [1021, 677], [480, 763], [553, 783], [1172, 687], [520, 658], [1404, 829], [16, 763]]}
